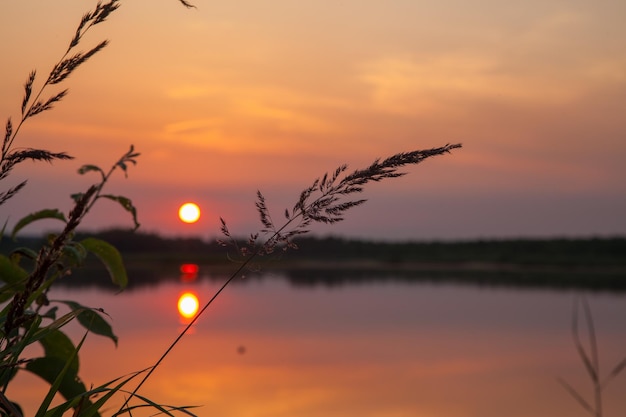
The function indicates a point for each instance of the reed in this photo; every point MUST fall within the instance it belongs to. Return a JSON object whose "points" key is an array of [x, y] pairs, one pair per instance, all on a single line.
{"points": [[590, 359], [33, 102], [326, 201]]}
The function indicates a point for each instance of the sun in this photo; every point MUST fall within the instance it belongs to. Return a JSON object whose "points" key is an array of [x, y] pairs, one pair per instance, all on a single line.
{"points": [[188, 305], [189, 212]]}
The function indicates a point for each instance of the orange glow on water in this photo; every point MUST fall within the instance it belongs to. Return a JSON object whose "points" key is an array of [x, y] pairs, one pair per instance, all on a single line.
{"points": [[189, 212], [188, 305], [290, 351]]}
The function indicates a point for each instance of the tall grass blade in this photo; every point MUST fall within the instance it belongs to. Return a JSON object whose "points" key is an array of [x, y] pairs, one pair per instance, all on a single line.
{"points": [[165, 409], [614, 372], [584, 404], [59, 410], [592, 335], [589, 365]]}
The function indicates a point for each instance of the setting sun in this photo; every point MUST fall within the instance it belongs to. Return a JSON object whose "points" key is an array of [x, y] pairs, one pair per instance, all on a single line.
{"points": [[189, 212], [188, 305]]}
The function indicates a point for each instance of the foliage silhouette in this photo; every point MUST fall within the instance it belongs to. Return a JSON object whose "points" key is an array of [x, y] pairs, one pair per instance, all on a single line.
{"points": [[29, 273]]}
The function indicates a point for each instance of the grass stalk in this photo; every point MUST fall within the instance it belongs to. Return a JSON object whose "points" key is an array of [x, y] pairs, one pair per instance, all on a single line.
{"points": [[328, 207], [590, 358]]}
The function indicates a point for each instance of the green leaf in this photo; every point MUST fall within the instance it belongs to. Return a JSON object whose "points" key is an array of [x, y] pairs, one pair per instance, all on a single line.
{"points": [[35, 333], [10, 272], [11, 355], [57, 345], [42, 214], [126, 204], [13, 276], [57, 373], [4, 227], [43, 332], [91, 320], [110, 257], [24, 252], [75, 252]]}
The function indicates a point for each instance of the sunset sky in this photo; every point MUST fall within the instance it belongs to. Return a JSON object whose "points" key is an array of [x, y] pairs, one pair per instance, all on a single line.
{"points": [[232, 97]]}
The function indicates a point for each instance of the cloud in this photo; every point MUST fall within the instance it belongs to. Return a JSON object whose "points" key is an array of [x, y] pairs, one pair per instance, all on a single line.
{"points": [[249, 116], [547, 59], [406, 85], [193, 126]]}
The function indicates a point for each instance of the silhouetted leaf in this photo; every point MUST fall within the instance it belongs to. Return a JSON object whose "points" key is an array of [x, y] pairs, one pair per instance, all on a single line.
{"points": [[58, 373], [59, 366], [56, 344], [126, 203], [51, 314], [110, 257], [75, 252], [91, 320], [40, 215], [13, 276], [87, 168], [27, 253], [10, 272]]}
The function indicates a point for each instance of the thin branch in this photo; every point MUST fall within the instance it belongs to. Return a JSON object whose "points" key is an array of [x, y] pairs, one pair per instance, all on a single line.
{"points": [[304, 212]]}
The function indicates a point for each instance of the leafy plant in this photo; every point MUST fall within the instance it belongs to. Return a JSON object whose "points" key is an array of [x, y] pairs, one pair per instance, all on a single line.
{"points": [[27, 275], [27, 316]]}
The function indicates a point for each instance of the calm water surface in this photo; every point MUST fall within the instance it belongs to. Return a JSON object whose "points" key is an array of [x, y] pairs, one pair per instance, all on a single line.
{"points": [[381, 348]]}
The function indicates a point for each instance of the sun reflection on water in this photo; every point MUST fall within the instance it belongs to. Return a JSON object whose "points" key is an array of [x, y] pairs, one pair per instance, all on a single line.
{"points": [[188, 305], [189, 272]]}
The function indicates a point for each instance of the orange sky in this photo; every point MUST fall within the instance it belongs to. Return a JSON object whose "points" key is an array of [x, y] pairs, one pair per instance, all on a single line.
{"points": [[234, 97]]}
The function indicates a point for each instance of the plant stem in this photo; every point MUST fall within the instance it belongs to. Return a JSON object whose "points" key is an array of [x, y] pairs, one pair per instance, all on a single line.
{"points": [[202, 310]]}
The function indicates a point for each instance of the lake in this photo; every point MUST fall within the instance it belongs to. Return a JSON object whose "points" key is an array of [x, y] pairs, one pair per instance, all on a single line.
{"points": [[376, 347]]}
